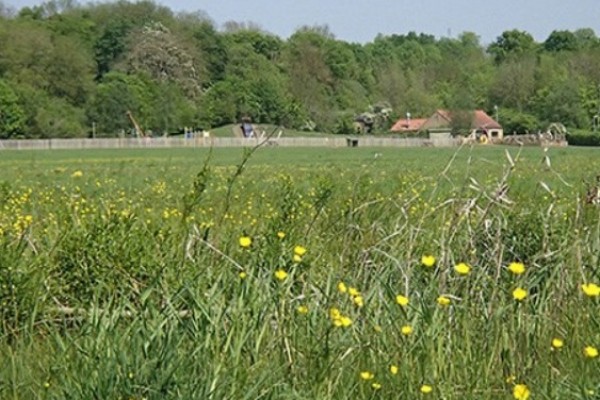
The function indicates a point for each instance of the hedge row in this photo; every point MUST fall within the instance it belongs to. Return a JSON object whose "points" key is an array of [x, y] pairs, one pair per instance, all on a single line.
{"points": [[579, 139]]}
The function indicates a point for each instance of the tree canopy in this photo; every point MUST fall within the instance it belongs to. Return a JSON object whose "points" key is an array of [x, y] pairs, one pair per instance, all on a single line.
{"points": [[65, 67]]}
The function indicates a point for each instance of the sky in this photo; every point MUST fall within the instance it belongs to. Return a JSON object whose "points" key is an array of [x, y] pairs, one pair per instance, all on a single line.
{"points": [[361, 20]]}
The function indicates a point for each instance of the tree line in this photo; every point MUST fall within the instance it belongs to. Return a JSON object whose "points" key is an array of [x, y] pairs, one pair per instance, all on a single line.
{"points": [[67, 70]]}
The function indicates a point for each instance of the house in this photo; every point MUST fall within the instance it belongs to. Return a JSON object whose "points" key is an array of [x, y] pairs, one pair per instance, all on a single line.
{"points": [[408, 125], [482, 125]]}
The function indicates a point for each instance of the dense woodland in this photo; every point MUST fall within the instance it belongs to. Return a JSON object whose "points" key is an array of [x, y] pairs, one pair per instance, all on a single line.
{"points": [[65, 68]]}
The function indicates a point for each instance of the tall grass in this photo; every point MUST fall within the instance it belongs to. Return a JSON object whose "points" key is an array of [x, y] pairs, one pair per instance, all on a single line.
{"points": [[136, 286]]}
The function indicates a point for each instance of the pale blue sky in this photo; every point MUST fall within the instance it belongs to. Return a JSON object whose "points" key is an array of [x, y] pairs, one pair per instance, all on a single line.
{"points": [[361, 20]]}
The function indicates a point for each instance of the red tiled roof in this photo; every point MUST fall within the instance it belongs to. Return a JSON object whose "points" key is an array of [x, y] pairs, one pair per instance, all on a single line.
{"points": [[484, 121], [480, 120], [408, 125]]}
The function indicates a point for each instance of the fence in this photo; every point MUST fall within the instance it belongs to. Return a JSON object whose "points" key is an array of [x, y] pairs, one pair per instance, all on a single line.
{"points": [[133, 143]]}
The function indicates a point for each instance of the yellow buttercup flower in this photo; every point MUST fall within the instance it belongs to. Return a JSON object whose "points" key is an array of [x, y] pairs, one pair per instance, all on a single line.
{"points": [[334, 313], [299, 251], [296, 258], [590, 352], [376, 385], [462, 269], [281, 274], [280, 234], [426, 389], [342, 287], [353, 291], [402, 300], [302, 309], [557, 343], [359, 301], [517, 268], [428, 260], [346, 321], [406, 330], [245, 241], [519, 294], [393, 369], [367, 375], [591, 289], [77, 174], [443, 301], [521, 392], [243, 275]]}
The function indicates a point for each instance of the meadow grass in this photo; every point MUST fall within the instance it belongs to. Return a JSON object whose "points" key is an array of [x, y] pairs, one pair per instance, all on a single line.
{"points": [[299, 274]]}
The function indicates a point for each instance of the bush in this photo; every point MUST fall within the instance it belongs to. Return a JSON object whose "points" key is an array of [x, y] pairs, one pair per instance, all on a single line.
{"points": [[581, 139]]}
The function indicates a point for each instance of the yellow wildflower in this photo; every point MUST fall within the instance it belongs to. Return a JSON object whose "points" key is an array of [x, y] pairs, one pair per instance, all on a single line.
{"points": [[521, 392], [402, 300], [557, 343], [299, 251], [359, 301], [353, 291], [517, 268], [334, 313], [443, 301], [296, 258], [281, 274], [367, 375], [342, 287], [425, 389], [243, 275], [280, 234], [590, 352], [591, 289], [302, 309], [77, 174], [393, 369], [406, 330], [428, 260], [519, 294], [245, 241], [376, 385], [346, 321], [462, 269]]}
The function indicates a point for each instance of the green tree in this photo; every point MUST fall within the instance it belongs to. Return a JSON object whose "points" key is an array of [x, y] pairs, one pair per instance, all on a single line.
{"points": [[517, 122], [153, 50], [512, 44], [12, 117], [514, 83], [561, 41], [117, 94]]}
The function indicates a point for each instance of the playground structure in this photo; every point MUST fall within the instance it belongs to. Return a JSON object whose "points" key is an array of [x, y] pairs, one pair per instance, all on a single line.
{"points": [[139, 132], [376, 118]]}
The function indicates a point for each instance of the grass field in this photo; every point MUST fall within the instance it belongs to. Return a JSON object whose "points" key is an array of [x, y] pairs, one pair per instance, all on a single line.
{"points": [[290, 273]]}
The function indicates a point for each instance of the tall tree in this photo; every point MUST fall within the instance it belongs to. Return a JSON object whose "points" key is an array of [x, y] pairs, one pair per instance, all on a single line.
{"points": [[511, 45], [12, 117]]}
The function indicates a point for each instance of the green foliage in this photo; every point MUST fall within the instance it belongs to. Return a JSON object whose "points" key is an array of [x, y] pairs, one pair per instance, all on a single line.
{"points": [[512, 44], [516, 122], [583, 139], [12, 117], [59, 119], [561, 41], [62, 50]]}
